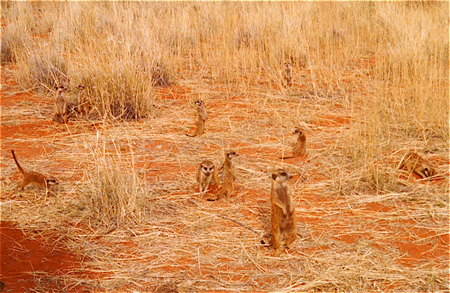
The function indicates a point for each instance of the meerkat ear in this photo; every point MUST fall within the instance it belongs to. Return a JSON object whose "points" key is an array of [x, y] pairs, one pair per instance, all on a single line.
{"points": [[274, 176]]}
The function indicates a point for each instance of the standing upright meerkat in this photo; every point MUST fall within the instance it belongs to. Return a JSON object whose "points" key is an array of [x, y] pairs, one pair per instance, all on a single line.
{"points": [[299, 149], [34, 177], [201, 119], [414, 163], [205, 172], [287, 74], [60, 106], [82, 106], [283, 227], [229, 174]]}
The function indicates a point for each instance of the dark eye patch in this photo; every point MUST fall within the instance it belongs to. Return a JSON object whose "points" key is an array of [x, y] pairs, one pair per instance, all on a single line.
{"points": [[283, 174]]}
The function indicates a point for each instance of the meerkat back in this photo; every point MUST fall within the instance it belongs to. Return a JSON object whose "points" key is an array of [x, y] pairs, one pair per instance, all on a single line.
{"points": [[287, 74], [413, 162], [300, 146], [229, 174], [31, 177], [60, 106], [201, 119]]}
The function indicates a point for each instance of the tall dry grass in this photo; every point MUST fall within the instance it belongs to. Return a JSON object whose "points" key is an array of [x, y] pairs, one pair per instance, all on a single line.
{"points": [[114, 47], [113, 192]]}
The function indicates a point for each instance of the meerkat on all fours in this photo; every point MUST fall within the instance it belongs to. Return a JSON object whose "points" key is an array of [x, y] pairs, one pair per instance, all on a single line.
{"points": [[299, 149], [283, 228], [34, 177], [287, 74], [229, 175], [414, 163], [201, 119], [205, 173], [60, 106]]}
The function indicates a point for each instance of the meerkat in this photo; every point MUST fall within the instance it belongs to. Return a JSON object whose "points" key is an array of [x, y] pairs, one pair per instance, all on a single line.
{"points": [[287, 74], [201, 119], [229, 174], [205, 172], [300, 146], [283, 227], [60, 106], [82, 106], [414, 163], [34, 177]]}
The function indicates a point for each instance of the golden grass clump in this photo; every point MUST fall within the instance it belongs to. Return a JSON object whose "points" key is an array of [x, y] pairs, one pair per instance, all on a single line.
{"points": [[14, 42], [111, 193], [47, 71]]}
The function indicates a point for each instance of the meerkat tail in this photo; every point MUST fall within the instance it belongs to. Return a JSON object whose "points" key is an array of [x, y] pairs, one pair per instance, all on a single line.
{"points": [[284, 158], [17, 163]]}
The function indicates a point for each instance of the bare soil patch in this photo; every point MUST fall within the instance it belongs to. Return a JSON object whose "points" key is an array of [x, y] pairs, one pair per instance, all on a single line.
{"points": [[27, 259]]}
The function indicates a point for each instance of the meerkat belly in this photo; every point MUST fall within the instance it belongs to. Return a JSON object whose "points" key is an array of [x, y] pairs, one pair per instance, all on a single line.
{"points": [[286, 221], [276, 216]]}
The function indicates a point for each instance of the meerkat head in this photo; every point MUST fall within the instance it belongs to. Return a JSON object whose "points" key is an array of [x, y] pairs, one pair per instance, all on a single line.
{"points": [[60, 88], [231, 154], [298, 131], [199, 103], [51, 180], [80, 87], [207, 168], [287, 64], [428, 171], [280, 175]]}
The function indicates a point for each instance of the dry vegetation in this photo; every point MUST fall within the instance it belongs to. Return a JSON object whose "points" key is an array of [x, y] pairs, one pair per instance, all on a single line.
{"points": [[370, 82]]}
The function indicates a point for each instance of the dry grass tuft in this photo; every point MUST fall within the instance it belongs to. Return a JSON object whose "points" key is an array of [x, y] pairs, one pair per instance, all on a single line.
{"points": [[14, 42], [47, 72], [111, 193]]}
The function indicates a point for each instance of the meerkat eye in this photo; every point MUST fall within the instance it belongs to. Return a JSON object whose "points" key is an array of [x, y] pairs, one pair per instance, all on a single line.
{"points": [[283, 174], [212, 168]]}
